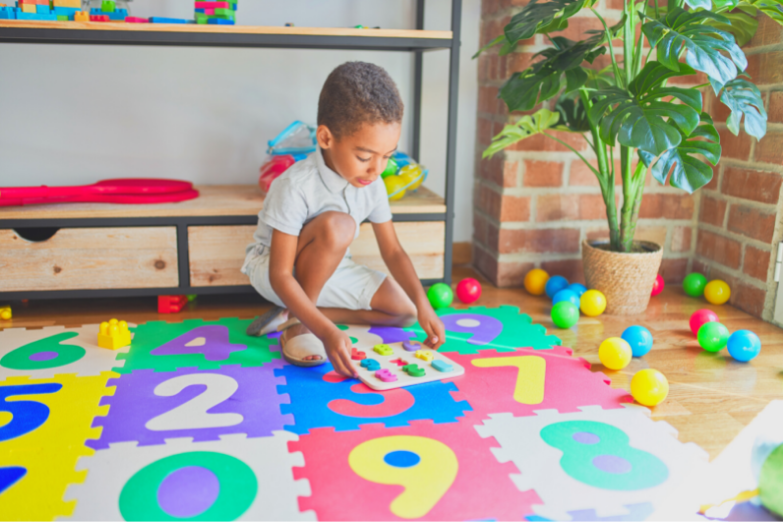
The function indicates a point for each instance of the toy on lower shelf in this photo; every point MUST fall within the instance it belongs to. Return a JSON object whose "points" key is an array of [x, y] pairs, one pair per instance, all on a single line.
{"points": [[114, 334], [393, 366], [222, 13], [171, 304], [5, 313]]}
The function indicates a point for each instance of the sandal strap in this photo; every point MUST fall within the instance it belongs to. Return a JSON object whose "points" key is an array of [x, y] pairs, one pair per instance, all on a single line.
{"points": [[303, 346], [288, 324]]}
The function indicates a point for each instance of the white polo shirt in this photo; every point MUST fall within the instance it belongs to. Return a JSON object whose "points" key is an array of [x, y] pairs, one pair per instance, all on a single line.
{"points": [[310, 188]]}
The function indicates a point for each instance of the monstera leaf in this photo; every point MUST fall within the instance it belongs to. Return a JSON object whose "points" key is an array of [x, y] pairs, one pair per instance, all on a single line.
{"points": [[524, 128], [744, 98], [681, 29], [696, 4], [742, 23], [573, 116], [772, 8], [687, 170], [636, 118], [542, 80]]}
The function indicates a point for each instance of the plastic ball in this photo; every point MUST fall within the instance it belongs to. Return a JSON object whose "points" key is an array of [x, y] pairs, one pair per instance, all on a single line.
{"points": [[554, 285], [592, 303], [713, 336], [700, 317], [565, 314], [744, 345], [717, 292], [413, 176], [440, 295], [639, 338], [566, 295], [468, 290], [578, 288], [657, 285], [694, 284], [535, 281], [615, 353], [649, 387], [391, 168], [394, 187]]}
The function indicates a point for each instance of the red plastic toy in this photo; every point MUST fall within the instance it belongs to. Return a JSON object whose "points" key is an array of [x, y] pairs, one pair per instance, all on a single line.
{"points": [[132, 191], [701, 317], [171, 304], [468, 290], [657, 285], [272, 169]]}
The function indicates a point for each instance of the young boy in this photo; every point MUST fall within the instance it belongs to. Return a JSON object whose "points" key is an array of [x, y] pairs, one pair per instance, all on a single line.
{"points": [[300, 259]]}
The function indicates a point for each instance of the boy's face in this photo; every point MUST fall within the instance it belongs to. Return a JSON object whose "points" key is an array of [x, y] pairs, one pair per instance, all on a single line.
{"points": [[361, 157]]}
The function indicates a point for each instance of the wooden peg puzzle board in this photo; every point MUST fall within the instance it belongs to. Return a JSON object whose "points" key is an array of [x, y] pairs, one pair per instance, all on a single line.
{"points": [[387, 362]]}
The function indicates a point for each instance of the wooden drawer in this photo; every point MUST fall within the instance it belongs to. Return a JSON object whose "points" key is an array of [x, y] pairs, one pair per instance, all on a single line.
{"points": [[217, 252], [90, 258]]}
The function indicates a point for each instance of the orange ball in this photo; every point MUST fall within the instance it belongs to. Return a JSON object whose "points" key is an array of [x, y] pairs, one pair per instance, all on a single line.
{"points": [[535, 281]]}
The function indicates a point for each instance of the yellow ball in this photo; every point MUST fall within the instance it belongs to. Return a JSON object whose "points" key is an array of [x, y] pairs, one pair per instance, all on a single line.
{"points": [[615, 353], [394, 187], [592, 303], [535, 281], [412, 175], [649, 387], [717, 292]]}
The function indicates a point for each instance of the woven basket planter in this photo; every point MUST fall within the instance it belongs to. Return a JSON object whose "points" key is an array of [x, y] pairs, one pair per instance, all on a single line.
{"points": [[625, 279]]}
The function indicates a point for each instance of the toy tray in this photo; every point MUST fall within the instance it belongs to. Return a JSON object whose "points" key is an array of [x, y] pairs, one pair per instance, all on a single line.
{"points": [[392, 363]]}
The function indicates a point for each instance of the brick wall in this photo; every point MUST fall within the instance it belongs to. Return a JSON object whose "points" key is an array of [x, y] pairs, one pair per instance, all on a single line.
{"points": [[738, 223], [535, 203]]}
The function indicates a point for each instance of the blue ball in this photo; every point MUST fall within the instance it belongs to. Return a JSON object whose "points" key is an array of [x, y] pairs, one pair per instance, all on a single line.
{"points": [[640, 339], [566, 295], [744, 345], [554, 285], [578, 288]]}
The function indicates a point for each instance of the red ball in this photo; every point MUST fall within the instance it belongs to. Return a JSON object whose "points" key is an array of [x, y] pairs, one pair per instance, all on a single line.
{"points": [[700, 317], [657, 285], [468, 290]]}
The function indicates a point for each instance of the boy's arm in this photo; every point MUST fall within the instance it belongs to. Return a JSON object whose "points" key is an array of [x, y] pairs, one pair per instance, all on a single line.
{"points": [[281, 276], [402, 270]]}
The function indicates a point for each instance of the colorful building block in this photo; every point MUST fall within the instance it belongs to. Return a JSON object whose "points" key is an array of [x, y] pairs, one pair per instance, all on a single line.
{"points": [[99, 18], [35, 16], [8, 13], [220, 21], [114, 334], [74, 4], [383, 349], [43, 9], [108, 6], [136, 20], [161, 20], [171, 304], [5, 313], [81, 16]]}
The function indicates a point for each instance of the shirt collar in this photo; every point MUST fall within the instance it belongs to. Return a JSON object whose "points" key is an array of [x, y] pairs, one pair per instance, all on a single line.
{"points": [[333, 181]]}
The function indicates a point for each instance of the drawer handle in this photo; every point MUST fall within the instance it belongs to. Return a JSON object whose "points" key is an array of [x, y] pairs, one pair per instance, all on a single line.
{"points": [[36, 234]]}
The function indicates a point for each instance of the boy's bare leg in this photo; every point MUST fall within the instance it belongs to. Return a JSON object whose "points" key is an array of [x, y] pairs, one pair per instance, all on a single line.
{"points": [[391, 306]]}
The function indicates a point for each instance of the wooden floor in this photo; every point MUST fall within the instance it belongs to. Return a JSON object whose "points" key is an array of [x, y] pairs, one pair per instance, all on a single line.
{"points": [[711, 397]]}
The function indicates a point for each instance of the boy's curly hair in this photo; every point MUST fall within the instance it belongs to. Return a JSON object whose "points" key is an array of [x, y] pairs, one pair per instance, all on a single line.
{"points": [[356, 93]]}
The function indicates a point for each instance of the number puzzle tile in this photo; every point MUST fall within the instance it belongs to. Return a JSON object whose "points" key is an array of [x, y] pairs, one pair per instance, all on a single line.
{"points": [[50, 420], [424, 471], [206, 345], [320, 398], [235, 478], [478, 328], [598, 459], [635, 512], [55, 350], [526, 380], [149, 407]]}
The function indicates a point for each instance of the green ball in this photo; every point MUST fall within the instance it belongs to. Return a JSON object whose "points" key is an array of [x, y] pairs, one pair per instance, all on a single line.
{"points": [[565, 314], [391, 168], [440, 295], [694, 284], [713, 336]]}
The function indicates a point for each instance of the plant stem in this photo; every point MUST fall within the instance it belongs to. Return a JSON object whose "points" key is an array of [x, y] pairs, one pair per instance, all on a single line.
{"points": [[617, 74], [564, 144], [627, 223], [629, 31]]}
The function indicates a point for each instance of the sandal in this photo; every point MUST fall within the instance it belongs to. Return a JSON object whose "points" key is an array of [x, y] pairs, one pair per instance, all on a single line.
{"points": [[295, 350], [267, 322]]}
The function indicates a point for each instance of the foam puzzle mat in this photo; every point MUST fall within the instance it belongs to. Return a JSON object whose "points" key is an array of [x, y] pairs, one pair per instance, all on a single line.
{"points": [[198, 421]]}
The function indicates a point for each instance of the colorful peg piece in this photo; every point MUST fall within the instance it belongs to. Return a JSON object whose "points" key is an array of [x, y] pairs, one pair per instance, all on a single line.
{"points": [[385, 375], [383, 349], [411, 346], [424, 355], [356, 355], [370, 364], [442, 366]]}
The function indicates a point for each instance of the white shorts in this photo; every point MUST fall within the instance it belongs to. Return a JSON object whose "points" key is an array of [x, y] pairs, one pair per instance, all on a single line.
{"points": [[351, 287]]}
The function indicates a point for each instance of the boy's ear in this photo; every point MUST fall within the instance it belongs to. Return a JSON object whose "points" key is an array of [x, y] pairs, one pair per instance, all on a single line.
{"points": [[325, 137]]}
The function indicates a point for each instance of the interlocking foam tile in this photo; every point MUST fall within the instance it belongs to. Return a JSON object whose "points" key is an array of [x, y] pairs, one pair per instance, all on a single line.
{"points": [[526, 380], [50, 420], [149, 407], [235, 478], [635, 512], [320, 398], [598, 459], [477, 328], [206, 345], [423, 471], [42, 354]]}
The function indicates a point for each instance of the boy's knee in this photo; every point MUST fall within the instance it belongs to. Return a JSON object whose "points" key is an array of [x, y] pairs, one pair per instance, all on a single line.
{"points": [[338, 229]]}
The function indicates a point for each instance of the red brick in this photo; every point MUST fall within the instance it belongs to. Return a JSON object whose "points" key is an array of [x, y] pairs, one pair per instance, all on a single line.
{"points": [[518, 62], [483, 63], [752, 222], [561, 240], [488, 201], [598, 234], [488, 99], [756, 262], [748, 298], [701, 268], [765, 69], [681, 239], [514, 208], [486, 264], [591, 206], [755, 185], [737, 147], [542, 174], [770, 148], [713, 183], [571, 269], [582, 176], [556, 207], [615, 4], [718, 248], [712, 211], [579, 25], [717, 109], [769, 32], [480, 231], [512, 274], [498, 171], [539, 142], [484, 132], [692, 79], [775, 107], [670, 206], [673, 271]]}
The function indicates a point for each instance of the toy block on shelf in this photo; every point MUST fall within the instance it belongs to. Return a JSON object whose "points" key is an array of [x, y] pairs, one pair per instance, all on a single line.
{"points": [[99, 18], [220, 21], [81, 16], [5, 313], [114, 334], [73, 4], [28, 8], [108, 6], [136, 20], [171, 304], [35, 16], [7, 13], [163, 20]]}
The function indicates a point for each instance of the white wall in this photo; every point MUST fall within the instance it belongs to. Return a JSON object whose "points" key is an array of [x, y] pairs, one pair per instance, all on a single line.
{"points": [[76, 114]]}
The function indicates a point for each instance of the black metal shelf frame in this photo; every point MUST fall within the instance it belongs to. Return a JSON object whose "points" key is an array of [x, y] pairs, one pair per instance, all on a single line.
{"points": [[164, 38]]}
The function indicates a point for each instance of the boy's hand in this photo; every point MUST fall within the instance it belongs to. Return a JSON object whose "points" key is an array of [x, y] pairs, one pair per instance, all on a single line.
{"points": [[338, 347], [432, 326]]}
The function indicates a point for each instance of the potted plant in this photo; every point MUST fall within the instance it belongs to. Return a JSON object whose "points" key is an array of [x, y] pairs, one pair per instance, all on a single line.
{"points": [[627, 111]]}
